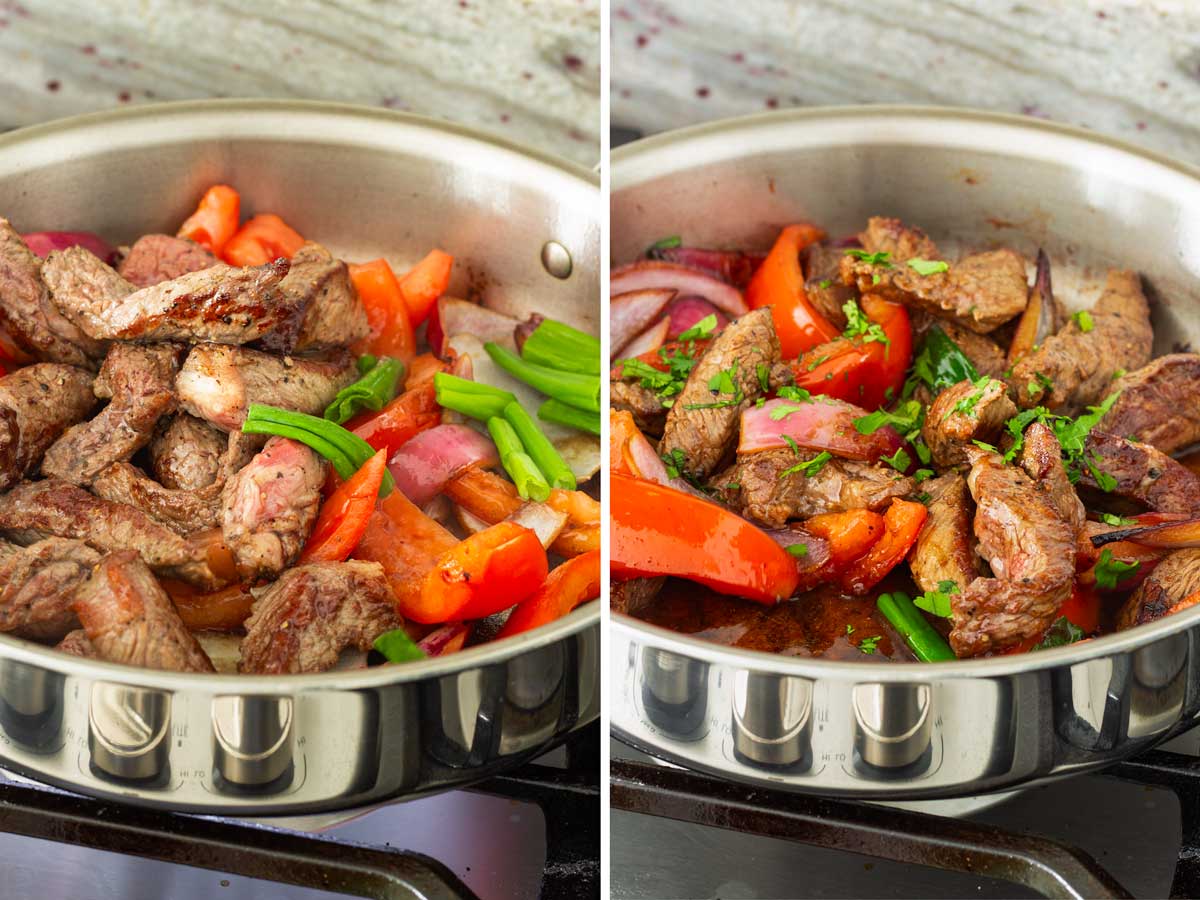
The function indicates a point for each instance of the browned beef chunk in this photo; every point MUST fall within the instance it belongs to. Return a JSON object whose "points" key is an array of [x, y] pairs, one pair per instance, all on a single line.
{"points": [[37, 585], [79, 280], [980, 292], [757, 487], [306, 619], [1074, 368], [29, 316], [219, 383], [1143, 475], [221, 304], [330, 315], [186, 454], [77, 644], [1041, 458], [647, 410], [1032, 554], [1159, 403], [130, 619], [944, 549], [823, 282], [34, 510], [703, 422], [269, 507], [628, 597], [183, 511], [37, 404], [155, 258], [140, 380], [1171, 587], [901, 242], [963, 413]]}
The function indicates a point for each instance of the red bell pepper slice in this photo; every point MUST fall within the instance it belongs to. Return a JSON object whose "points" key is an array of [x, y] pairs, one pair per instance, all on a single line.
{"points": [[1082, 608], [779, 284], [866, 373], [490, 571], [387, 312], [574, 582], [223, 610], [401, 420], [901, 523], [424, 283], [657, 530], [850, 534], [344, 516], [262, 239], [215, 220]]}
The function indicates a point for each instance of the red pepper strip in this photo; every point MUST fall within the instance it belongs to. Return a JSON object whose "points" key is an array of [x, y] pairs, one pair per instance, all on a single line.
{"points": [[215, 220], [1083, 608], [574, 582], [407, 543], [857, 371], [262, 239], [902, 523], [656, 530], [422, 369], [344, 516], [490, 571], [387, 312], [401, 420], [850, 534], [424, 283], [223, 610], [779, 284]]}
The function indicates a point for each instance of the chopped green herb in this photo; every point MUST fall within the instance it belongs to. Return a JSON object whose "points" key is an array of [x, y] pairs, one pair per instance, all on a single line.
{"points": [[1118, 373], [900, 461], [667, 243], [791, 392], [937, 602], [797, 550], [966, 406], [700, 330], [924, 454], [983, 445], [923, 497], [764, 376], [882, 258], [1083, 319], [675, 462], [859, 326], [790, 441], [783, 411], [1061, 633], [824, 284], [1104, 481], [922, 474], [875, 279], [889, 394], [811, 467], [733, 486], [869, 644], [928, 266], [906, 418], [397, 647], [816, 362], [1109, 570], [1071, 433], [1110, 519], [849, 628], [723, 383]]}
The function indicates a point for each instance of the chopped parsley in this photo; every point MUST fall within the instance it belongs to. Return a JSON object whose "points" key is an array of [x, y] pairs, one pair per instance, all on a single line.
{"points": [[868, 645], [809, 468], [797, 550], [1083, 319], [791, 442], [928, 266], [666, 384], [1109, 570], [923, 497], [849, 628], [783, 411], [1110, 519], [1118, 373], [1072, 436], [882, 258], [859, 326], [791, 392], [700, 330], [924, 454], [922, 474], [816, 362], [675, 462], [984, 445], [733, 486], [937, 603], [1061, 633], [824, 284], [900, 460], [723, 383], [1041, 382], [764, 376], [966, 406], [667, 243], [906, 419]]}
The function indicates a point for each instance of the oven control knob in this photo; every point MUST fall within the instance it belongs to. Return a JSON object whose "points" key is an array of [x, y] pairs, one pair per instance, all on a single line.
{"points": [[129, 730], [893, 727], [772, 718], [252, 738]]}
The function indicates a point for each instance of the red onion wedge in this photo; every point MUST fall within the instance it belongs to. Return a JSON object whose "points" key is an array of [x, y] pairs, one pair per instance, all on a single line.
{"points": [[42, 242], [649, 274], [687, 312], [1167, 535], [813, 562], [544, 521], [447, 639], [731, 266], [630, 313], [461, 317], [649, 340], [426, 462], [817, 424]]}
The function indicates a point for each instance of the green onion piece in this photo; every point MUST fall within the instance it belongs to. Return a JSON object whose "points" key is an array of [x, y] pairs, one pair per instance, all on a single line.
{"points": [[565, 414], [562, 347], [366, 363], [924, 641], [479, 401], [376, 388], [578, 390], [397, 647], [539, 448], [530, 482], [341, 463]]}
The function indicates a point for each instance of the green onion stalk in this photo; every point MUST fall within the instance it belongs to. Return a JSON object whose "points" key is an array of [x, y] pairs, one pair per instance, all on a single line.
{"points": [[472, 399], [558, 346], [539, 448], [563, 414], [373, 391], [581, 391], [924, 641], [530, 482]]}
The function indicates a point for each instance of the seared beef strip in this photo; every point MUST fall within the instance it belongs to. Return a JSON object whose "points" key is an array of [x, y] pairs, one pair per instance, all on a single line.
{"points": [[82, 285], [34, 510], [140, 380], [630, 596], [1079, 365], [330, 315], [155, 258], [218, 383], [37, 585], [901, 242], [647, 410], [77, 644], [29, 316], [1143, 474], [980, 292], [1032, 554], [269, 507], [702, 425], [1041, 458], [1159, 403], [756, 487], [1175, 579], [186, 454], [944, 551], [963, 413], [220, 304], [130, 619], [306, 619], [37, 404], [183, 511]]}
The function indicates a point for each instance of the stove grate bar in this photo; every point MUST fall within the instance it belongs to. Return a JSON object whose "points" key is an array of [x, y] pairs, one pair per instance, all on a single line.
{"points": [[1048, 867]]}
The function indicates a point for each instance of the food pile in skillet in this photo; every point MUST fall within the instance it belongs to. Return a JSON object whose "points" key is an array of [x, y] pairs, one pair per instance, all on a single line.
{"points": [[888, 453], [221, 449]]}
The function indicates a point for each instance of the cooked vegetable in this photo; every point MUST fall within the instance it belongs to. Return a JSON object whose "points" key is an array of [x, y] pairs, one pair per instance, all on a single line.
{"points": [[731, 266], [424, 283], [1170, 535], [397, 647], [814, 425], [632, 313], [940, 363], [215, 220], [648, 275], [582, 391], [408, 415], [574, 582], [372, 391], [263, 238], [649, 340], [471, 398], [1109, 571], [530, 480], [565, 414], [42, 242], [850, 534], [452, 318], [779, 284], [902, 523], [424, 465], [926, 644], [562, 347], [1061, 633], [223, 610], [386, 308], [447, 639], [539, 448], [344, 516]]}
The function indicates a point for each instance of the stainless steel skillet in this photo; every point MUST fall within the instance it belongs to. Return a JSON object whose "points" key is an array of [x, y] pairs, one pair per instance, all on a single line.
{"points": [[871, 730], [366, 183]]}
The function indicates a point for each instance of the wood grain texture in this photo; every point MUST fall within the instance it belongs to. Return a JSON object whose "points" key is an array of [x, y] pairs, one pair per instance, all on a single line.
{"points": [[1123, 67], [528, 70]]}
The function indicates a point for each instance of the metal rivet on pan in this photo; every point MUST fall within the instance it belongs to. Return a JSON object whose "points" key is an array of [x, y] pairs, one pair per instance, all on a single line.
{"points": [[556, 259]]}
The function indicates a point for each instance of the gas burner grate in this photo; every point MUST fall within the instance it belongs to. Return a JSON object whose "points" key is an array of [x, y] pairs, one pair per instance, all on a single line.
{"points": [[1051, 868]]}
